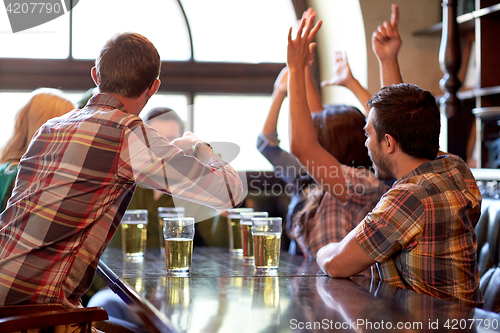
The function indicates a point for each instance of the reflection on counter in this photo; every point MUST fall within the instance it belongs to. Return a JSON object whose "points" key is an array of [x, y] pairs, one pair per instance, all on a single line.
{"points": [[134, 267], [177, 303], [223, 294], [266, 300]]}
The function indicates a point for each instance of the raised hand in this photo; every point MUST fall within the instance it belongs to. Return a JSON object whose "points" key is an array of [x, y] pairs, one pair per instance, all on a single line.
{"points": [[301, 48], [386, 41], [342, 74]]}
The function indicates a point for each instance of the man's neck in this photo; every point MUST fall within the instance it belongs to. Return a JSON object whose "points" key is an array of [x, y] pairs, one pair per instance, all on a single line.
{"points": [[132, 105], [404, 164]]}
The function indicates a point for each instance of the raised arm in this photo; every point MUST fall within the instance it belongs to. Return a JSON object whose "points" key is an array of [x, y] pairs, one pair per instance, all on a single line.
{"points": [[279, 94], [313, 97], [342, 76], [303, 143], [386, 43]]}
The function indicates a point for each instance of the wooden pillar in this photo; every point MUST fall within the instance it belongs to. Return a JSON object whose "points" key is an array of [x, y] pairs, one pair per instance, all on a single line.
{"points": [[450, 59]]}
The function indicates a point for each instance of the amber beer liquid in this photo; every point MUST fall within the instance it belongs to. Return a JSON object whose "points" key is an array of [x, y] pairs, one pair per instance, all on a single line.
{"points": [[234, 233], [266, 250], [178, 254], [134, 238], [246, 232], [167, 212], [247, 241]]}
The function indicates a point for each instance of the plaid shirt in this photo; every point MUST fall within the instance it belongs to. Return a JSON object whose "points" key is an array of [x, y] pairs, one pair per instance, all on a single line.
{"points": [[73, 187], [421, 233], [333, 219]]}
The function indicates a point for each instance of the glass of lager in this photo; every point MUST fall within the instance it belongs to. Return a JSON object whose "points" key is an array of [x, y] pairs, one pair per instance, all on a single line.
{"points": [[246, 232], [164, 212], [234, 233], [178, 233], [134, 227], [266, 233]]}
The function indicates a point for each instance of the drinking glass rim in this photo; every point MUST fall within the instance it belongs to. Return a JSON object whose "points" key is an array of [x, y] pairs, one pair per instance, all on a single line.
{"points": [[186, 220], [172, 209], [135, 211]]}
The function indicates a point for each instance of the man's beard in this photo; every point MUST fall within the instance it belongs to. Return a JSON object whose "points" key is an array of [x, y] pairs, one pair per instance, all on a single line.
{"points": [[382, 167]]}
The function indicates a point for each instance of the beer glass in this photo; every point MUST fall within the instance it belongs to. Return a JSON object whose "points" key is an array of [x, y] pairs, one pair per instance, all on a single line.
{"points": [[178, 233], [134, 227], [246, 232], [234, 234], [167, 212], [266, 233]]}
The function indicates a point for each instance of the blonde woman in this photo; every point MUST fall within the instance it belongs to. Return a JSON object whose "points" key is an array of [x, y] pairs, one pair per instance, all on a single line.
{"points": [[44, 104]]}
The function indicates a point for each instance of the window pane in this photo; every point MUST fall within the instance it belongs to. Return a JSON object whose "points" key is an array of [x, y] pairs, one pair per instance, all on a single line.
{"points": [[49, 40], [178, 103], [239, 120], [11, 102], [240, 31], [161, 21]]}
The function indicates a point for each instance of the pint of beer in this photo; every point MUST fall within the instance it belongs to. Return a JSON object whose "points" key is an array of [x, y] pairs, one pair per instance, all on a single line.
{"points": [[246, 232], [134, 227], [178, 234], [168, 212], [266, 233], [234, 234]]}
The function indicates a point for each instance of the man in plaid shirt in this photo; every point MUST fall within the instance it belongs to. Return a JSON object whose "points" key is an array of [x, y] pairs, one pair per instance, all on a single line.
{"points": [[420, 235], [80, 171]]}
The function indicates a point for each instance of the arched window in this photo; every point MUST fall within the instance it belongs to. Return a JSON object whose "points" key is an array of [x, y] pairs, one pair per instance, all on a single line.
{"points": [[219, 59]]}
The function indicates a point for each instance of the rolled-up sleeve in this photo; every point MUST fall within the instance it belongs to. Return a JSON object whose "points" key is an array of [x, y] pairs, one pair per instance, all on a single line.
{"points": [[154, 163]]}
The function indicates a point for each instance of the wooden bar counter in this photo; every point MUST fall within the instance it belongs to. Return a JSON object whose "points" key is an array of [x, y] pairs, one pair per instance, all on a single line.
{"points": [[223, 294]]}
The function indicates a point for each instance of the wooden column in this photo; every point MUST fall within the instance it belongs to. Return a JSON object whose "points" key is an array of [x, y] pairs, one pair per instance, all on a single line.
{"points": [[450, 59]]}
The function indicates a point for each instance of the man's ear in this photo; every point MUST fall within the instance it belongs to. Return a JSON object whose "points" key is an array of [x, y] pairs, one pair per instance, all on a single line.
{"points": [[390, 144], [93, 74], [154, 88]]}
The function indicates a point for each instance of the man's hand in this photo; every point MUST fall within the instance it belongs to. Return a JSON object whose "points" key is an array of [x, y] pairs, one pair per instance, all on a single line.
{"points": [[186, 141], [386, 41]]}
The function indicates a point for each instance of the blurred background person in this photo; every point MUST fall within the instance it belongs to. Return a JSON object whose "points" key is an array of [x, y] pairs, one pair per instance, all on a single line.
{"points": [[168, 124], [44, 104]]}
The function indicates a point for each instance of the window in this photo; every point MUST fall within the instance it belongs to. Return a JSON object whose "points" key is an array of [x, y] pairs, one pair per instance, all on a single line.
{"points": [[238, 119], [220, 60], [162, 22], [49, 40], [240, 31]]}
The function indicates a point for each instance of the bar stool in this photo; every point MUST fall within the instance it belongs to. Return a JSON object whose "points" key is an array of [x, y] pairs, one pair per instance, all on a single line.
{"points": [[20, 318]]}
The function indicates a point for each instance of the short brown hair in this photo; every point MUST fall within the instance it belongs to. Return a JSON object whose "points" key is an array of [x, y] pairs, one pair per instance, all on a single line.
{"points": [[410, 115], [127, 65]]}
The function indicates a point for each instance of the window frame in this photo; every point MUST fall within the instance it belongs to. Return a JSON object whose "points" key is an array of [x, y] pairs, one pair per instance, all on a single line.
{"points": [[177, 76], [185, 77]]}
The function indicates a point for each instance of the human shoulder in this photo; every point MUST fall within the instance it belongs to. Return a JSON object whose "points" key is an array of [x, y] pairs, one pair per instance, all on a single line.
{"points": [[401, 200]]}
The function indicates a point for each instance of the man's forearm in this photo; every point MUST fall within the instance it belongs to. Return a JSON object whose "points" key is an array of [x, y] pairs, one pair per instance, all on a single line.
{"points": [[390, 73]]}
